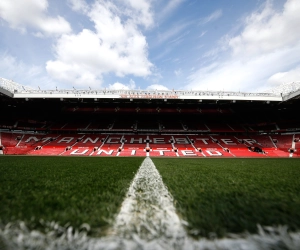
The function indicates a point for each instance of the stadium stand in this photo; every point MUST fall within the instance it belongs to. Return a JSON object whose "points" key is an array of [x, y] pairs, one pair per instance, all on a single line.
{"points": [[150, 127], [151, 145]]}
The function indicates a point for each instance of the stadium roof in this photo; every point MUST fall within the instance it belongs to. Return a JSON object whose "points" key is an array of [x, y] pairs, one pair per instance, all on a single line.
{"points": [[16, 90]]}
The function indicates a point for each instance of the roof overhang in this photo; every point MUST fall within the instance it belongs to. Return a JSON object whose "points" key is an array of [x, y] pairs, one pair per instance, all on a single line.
{"points": [[15, 90]]}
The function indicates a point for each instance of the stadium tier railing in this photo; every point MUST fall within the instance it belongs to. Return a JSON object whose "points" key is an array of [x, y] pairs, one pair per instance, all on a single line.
{"points": [[17, 90]]}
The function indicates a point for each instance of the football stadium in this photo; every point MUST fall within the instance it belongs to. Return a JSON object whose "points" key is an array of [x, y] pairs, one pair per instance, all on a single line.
{"points": [[140, 169]]}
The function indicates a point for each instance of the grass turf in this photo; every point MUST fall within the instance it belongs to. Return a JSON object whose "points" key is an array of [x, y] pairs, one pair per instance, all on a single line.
{"points": [[214, 195], [72, 190], [220, 196]]}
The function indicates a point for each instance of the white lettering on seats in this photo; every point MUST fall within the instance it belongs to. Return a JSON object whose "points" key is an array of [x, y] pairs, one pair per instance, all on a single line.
{"points": [[75, 152], [188, 152], [161, 151], [104, 151], [111, 140], [213, 153], [66, 139], [91, 140], [181, 141], [228, 142], [159, 140], [139, 140], [36, 139], [133, 152], [204, 140], [32, 138], [250, 141]]}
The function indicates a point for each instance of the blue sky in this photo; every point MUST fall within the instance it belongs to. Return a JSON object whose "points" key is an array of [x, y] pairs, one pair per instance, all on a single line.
{"points": [[231, 45]]}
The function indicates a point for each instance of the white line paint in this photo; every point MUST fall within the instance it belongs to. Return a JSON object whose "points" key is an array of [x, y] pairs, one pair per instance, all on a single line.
{"points": [[148, 212]]}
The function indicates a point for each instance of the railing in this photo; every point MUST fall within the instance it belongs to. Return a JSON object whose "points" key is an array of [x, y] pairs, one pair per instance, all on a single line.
{"points": [[16, 88]]}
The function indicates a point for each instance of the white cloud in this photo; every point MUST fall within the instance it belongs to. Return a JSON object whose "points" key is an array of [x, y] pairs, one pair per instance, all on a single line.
{"points": [[212, 17], [141, 13], [173, 31], [285, 77], [202, 34], [121, 86], [116, 46], [268, 31], [33, 13], [245, 75], [78, 5], [169, 8], [268, 44], [156, 87], [18, 71]]}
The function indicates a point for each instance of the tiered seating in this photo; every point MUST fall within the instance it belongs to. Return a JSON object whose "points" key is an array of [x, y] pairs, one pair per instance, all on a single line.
{"points": [[205, 146], [47, 151], [286, 125], [10, 139], [122, 125], [218, 127], [100, 125], [189, 126], [74, 126], [91, 140], [30, 140], [227, 146], [7, 124], [160, 145], [17, 150], [236, 127], [264, 127], [136, 142], [30, 125], [283, 144], [171, 126], [147, 125], [151, 145], [264, 141], [230, 142], [201, 127], [59, 125], [62, 141], [185, 147], [131, 145]]}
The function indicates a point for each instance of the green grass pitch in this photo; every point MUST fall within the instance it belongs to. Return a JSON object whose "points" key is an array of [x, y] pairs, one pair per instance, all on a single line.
{"points": [[72, 190], [214, 195], [223, 196]]}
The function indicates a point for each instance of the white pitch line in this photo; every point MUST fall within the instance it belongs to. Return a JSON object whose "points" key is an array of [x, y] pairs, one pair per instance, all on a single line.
{"points": [[148, 212]]}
